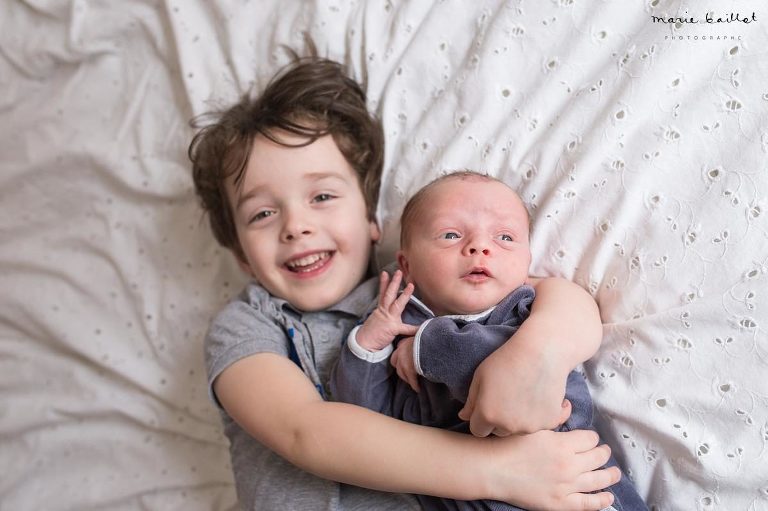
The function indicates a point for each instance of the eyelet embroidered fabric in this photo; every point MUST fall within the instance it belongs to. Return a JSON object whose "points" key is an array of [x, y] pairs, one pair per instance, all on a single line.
{"points": [[637, 138]]}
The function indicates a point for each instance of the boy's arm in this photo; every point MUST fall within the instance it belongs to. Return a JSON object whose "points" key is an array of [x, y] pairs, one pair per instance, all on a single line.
{"points": [[520, 387], [275, 403]]}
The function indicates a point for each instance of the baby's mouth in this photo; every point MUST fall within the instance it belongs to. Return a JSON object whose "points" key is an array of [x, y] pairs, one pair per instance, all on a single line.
{"points": [[478, 272], [308, 263]]}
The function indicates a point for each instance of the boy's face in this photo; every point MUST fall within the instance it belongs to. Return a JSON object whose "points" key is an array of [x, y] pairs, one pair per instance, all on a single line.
{"points": [[470, 248], [301, 221]]}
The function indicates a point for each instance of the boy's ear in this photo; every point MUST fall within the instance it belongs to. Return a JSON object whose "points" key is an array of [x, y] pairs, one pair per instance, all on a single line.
{"points": [[402, 262], [375, 231]]}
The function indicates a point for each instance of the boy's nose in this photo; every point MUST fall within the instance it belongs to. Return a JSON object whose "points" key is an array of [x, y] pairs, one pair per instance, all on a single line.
{"points": [[293, 235], [295, 227]]}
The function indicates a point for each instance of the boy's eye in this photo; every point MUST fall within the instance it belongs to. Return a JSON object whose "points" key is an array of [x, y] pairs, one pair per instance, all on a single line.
{"points": [[322, 197], [505, 237], [261, 215], [450, 236]]}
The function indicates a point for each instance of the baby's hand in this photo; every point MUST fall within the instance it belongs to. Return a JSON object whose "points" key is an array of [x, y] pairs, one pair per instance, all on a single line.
{"points": [[385, 323], [402, 361]]}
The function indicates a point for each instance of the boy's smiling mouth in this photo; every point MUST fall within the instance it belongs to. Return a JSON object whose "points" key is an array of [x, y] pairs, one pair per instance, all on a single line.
{"points": [[309, 262]]}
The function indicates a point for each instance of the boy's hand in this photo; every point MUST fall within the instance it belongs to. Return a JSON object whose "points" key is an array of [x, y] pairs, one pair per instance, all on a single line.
{"points": [[529, 401], [562, 471], [402, 361], [385, 323], [520, 387]]}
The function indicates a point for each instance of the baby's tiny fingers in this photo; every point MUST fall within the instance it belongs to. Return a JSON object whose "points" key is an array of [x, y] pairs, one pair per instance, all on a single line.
{"points": [[390, 294], [383, 283], [393, 358], [413, 381], [407, 376], [404, 297]]}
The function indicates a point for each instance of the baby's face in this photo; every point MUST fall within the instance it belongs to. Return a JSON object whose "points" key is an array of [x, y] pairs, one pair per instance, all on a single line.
{"points": [[470, 247]]}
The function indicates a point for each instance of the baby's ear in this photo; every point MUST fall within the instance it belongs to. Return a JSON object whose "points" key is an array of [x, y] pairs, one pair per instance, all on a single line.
{"points": [[402, 262], [375, 232]]}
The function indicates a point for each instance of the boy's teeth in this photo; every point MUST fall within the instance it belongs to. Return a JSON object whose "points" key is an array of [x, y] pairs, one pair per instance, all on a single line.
{"points": [[304, 262]]}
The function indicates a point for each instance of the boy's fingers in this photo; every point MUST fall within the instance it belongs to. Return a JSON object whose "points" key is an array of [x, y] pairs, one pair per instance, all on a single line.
{"points": [[565, 412], [594, 458], [407, 329], [584, 441], [469, 406], [594, 475], [598, 480], [590, 501], [480, 428], [501, 432]]}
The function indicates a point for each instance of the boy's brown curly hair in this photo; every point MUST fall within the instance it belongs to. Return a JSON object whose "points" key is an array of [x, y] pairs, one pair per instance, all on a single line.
{"points": [[311, 97]]}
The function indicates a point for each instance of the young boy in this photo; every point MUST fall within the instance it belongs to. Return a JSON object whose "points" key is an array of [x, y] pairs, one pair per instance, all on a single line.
{"points": [[290, 182], [465, 250]]}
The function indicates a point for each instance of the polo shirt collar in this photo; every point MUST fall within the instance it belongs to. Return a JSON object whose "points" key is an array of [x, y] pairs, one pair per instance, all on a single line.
{"points": [[356, 303]]}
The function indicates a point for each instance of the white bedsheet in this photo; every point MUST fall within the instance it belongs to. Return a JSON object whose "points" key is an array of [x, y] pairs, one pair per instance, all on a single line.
{"points": [[639, 146]]}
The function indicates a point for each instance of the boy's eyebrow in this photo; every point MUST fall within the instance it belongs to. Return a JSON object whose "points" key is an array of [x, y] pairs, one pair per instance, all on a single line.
{"points": [[245, 197], [311, 176], [317, 176]]}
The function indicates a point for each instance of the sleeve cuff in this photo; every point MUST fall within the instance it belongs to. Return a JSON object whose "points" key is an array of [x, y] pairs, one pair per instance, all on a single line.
{"points": [[362, 353], [417, 347]]}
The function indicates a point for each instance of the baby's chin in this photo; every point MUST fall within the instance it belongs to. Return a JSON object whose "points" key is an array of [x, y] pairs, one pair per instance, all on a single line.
{"points": [[470, 309], [467, 305]]}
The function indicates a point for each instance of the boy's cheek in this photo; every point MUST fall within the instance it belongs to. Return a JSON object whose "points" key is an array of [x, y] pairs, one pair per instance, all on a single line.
{"points": [[243, 264]]}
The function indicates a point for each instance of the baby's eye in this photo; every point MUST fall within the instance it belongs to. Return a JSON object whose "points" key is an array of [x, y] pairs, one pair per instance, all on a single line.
{"points": [[505, 237], [322, 197], [450, 236], [261, 215]]}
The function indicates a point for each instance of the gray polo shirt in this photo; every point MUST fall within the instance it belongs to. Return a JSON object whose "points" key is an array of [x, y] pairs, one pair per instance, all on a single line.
{"points": [[256, 322]]}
